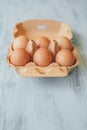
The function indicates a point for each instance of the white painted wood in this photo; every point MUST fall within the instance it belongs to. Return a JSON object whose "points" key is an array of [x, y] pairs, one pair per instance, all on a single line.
{"points": [[43, 103]]}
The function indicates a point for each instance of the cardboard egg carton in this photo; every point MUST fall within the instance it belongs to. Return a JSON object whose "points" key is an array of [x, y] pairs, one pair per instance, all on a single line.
{"points": [[50, 29]]}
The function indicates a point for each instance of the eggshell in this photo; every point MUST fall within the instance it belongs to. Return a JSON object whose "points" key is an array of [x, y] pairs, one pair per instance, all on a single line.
{"points": [[65, 43], [20, 42], [65, 58], [42, 57], [19, 57], [42, 42]]}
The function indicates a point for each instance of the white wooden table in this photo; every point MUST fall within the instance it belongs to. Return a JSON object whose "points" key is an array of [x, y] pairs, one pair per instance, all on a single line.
{"points": [[43, 103]]}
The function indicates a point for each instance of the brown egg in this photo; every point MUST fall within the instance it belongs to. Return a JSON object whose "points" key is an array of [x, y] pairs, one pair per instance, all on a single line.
{"points": [[20, 42], [42, 57], [19, 57], [42, 42], [65, 58], [65, 43]]}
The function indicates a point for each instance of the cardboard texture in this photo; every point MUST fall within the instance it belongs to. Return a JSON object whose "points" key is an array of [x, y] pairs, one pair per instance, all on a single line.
{"points": [[51, 29]]}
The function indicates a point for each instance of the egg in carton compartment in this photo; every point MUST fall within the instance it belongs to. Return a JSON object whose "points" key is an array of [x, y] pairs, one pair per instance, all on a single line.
{"points": [[47, 28]]}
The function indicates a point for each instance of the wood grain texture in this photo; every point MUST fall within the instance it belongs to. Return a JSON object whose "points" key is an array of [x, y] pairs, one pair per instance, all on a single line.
{"points": [[43, 103]]}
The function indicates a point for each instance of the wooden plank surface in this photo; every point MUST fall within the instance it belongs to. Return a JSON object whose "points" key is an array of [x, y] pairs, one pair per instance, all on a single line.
{"points": [[43, 103]]}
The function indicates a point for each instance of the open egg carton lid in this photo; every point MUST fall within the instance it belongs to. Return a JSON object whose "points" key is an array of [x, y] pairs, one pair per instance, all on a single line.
{"points": [[51, 29]]}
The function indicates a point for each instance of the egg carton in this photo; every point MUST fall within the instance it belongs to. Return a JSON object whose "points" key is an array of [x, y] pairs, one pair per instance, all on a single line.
{"points": [[50, 29]]}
